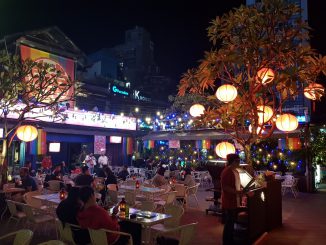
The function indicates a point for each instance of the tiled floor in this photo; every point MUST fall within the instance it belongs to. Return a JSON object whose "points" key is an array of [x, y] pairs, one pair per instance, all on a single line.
{"points": [[304, 222]]}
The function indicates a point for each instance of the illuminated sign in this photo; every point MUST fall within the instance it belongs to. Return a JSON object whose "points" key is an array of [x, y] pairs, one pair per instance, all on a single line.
{"points": [[54, 147], [117, 90], [76, 117], [115, 139], [301, 119], [137, 96]]}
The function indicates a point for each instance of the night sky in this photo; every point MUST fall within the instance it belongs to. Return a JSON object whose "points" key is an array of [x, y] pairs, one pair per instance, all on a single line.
{"points": [[177, 28]]}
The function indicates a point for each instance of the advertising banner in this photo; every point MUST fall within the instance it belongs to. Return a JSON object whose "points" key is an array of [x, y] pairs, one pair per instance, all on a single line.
{"points": [[65, 65], [174, 143]]}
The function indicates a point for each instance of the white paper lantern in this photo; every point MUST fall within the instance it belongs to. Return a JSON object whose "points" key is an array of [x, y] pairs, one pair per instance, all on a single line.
{"points": [[287, 122], [226, 93], [27, 133], [224, 148], [196, 110]]}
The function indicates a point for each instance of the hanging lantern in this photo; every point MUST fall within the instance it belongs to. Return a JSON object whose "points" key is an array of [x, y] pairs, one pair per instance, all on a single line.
{"points": [[26, 133], [196, 110], [265, 75], [287, 122], [265, 113], [314, 91], [226, 93], [259, 130], [224, 148]]}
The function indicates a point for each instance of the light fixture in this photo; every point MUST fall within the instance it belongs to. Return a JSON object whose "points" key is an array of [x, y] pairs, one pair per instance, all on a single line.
{"points": [[265, 75], [265, 113], [158, 113], [259, 130], [226, 93], [224, 148], [287, 122], [136, 109], [196, 110], [27, 133], [314, 91]]}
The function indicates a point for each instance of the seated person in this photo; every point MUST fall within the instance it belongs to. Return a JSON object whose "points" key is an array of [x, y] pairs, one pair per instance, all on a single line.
{"points": [[95, 217], [55, 175], [28, 165], [189, 179], [67, 211], [173, 167], [27, 182], [123, 173], [64, 169], [159, 179], [85, 178]]}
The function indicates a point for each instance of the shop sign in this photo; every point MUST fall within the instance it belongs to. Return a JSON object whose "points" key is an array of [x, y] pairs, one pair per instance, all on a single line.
{"points": [[138, 96], [118, 90]]}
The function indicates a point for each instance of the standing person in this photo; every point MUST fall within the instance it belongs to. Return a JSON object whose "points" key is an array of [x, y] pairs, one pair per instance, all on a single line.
{"points": [[90, 161], [103, 160], [230, 184]]}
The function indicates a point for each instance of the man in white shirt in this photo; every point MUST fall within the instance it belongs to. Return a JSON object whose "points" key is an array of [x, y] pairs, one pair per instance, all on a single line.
{"points": [[90, 161], [103, 160]]}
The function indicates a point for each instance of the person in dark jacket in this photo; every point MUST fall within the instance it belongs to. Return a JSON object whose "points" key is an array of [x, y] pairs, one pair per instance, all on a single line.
{"points": [[67, 213], [123, 173]]}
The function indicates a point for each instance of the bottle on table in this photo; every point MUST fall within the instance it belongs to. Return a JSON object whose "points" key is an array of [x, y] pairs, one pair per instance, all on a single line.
{"points": [[122, 208]]}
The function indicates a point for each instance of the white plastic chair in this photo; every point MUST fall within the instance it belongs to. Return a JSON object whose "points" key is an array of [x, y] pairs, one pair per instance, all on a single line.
{"points": [[186, 233], [36, 219], [14, 213], [33, 202], [98, 237], [192, 191], [147, 206], [290, 183], [166, 198], [65, 233], [22, 237], [54, 185]]}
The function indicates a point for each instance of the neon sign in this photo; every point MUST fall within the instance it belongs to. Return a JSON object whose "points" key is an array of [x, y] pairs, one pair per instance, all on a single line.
{"points": [[116, 90]]}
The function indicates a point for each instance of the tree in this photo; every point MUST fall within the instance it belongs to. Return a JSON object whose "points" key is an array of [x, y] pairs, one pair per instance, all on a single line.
{"points": [[28, 91], [248, 44]]}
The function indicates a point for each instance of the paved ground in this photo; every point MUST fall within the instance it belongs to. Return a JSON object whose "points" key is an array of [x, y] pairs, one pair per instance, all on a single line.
{"points": [[304, 222]]}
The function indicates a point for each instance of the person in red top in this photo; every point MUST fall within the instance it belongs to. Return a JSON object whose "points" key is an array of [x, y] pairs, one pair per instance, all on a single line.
{"points": [[95, 217], [230, 184], [47, 163]]}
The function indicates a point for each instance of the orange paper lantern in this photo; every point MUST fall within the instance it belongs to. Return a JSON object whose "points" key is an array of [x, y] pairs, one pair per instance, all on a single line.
{"points": [[26, 133], [287, 122], [265, 75], [196, 110], [226, 93], [265, 113], [314, 91], [224, 148]]}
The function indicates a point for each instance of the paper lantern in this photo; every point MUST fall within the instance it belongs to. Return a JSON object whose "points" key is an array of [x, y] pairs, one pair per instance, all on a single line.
{"points": [[27, 133], [287, 122], [258, 129], [226, 93], [314, 91], [265, 75], [265, 113], [196, 110], [224, 148]]}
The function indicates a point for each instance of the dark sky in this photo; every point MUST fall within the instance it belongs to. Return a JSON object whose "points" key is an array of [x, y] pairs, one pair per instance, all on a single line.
{"points": [[177, 28]]}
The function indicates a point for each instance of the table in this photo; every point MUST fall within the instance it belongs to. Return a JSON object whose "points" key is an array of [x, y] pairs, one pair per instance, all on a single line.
{"points": [[49, 198], [8, 193], [146, 223], [151, 191]]}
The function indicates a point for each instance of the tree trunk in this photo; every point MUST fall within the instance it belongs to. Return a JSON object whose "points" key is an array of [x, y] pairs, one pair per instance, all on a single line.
{"points": [[3, 163], [249, 167]]}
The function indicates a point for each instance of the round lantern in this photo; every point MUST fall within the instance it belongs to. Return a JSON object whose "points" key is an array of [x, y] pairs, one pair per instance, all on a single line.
{"points": [[26, 133], [226, 93], [224, 148], [196, 110], [314, 91], [265, 75], [259, 129], [265, 113], [287, 122]]}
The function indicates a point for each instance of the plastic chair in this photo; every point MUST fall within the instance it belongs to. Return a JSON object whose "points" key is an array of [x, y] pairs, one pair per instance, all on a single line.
{"points": [[54, 185], [166, 198], [98, 237], [290, 183], [52, 242], [14, 213], [22, 237], [33, 202], [65, 233], [36, 219], [176, 212], [147, 206], [192, 191], [186, 233]]}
